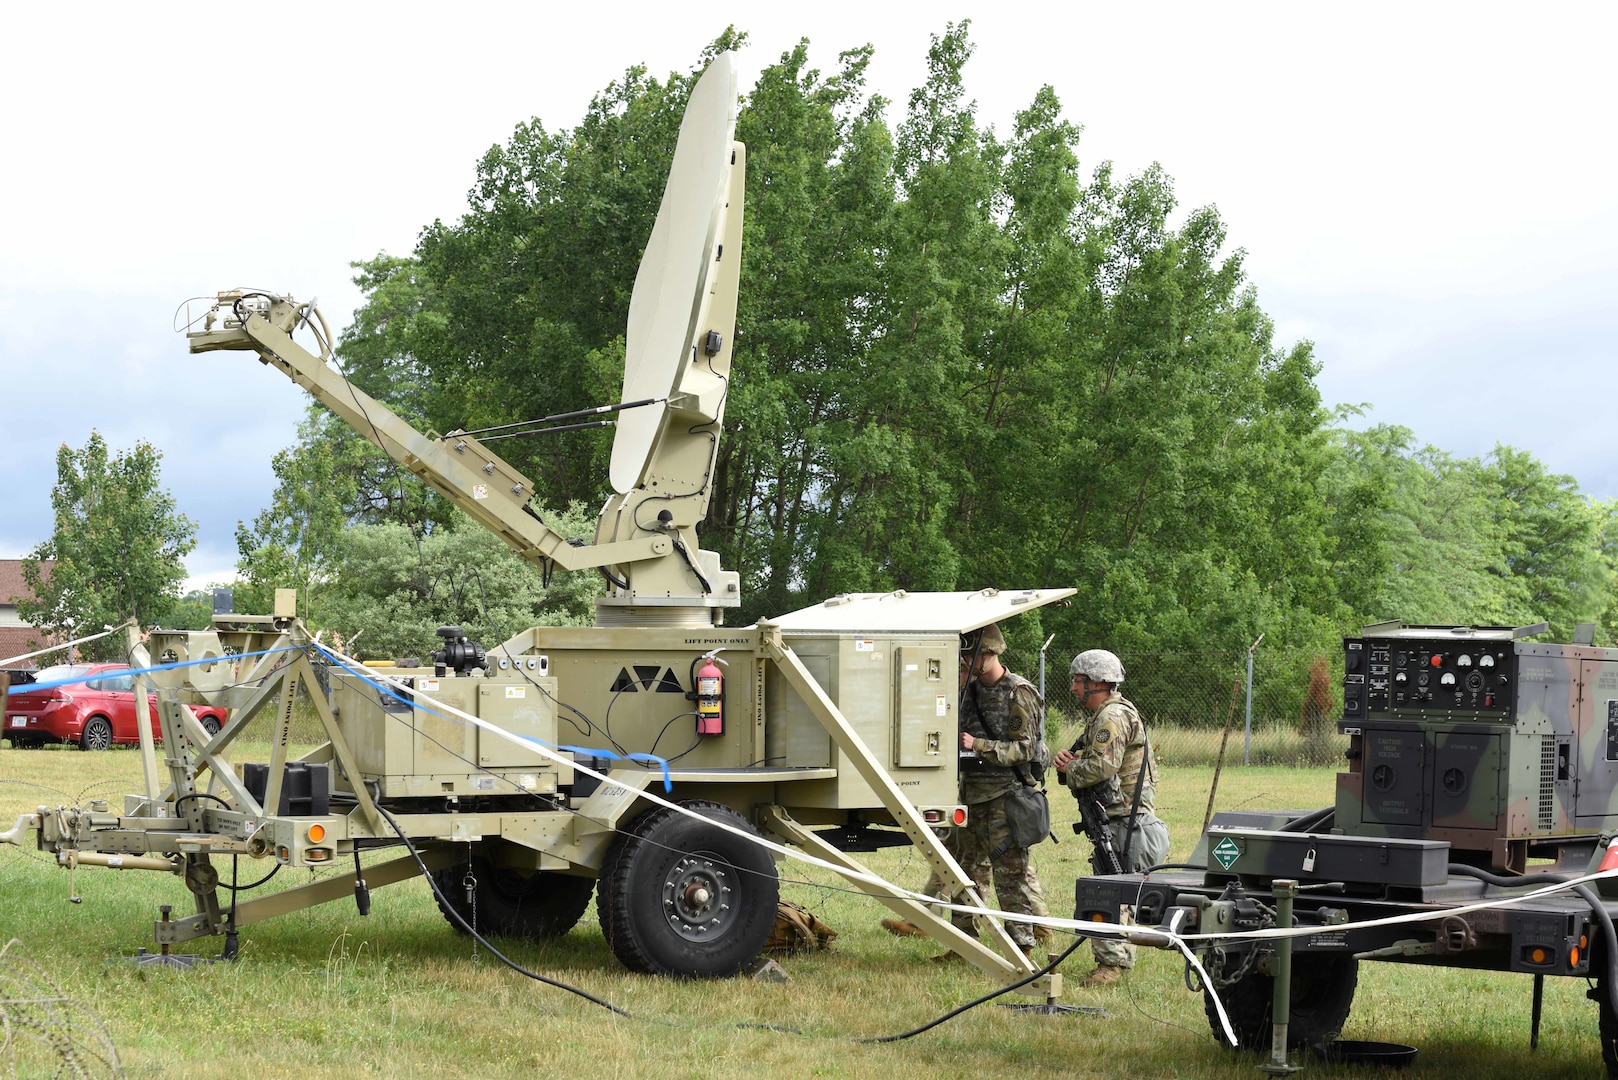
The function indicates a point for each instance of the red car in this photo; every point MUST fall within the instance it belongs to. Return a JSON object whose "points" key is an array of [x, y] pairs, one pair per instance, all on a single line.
{"points": [[96, 709]]}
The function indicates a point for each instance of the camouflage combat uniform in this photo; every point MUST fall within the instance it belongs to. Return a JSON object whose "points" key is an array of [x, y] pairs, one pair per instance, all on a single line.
{"points": [[1006, 722], [1109, 756]]}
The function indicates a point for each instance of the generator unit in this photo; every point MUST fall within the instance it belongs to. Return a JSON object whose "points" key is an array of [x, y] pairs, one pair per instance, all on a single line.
{"points": [[1503, 748], [1481, 768]]}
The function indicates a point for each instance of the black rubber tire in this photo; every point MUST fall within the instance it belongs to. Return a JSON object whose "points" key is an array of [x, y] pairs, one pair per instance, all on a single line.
{"points": [[97, 734], [538, 906], [1322, 995], [211, 725], [680, 897], [1607, 1026]]}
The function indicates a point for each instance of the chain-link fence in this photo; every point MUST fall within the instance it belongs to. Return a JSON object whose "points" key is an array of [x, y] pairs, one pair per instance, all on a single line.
{"points": [[1287, 715]]}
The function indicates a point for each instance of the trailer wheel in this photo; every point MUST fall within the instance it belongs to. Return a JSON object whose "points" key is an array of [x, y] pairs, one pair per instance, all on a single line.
{"points": [[1608, 1026], [506, 902], [1322, 994], [682, 897]]}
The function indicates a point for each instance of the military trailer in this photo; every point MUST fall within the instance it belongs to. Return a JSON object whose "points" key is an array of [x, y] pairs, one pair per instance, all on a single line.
{"points": [[1481, 767], [658, 759]]}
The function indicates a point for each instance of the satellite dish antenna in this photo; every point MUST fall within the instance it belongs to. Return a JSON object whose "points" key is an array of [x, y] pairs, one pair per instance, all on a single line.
{"points": [[673, 275]]}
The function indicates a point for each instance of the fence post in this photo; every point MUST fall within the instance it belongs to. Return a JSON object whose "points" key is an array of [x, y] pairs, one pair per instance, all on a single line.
{"points": [[1247, 739], [1042, 649]]}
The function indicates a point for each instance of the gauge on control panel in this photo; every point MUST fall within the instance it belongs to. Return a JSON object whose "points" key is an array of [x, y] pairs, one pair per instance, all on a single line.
{"points": [[1485, 660], [1447, 680], [1401, 677], [1463, 660]]}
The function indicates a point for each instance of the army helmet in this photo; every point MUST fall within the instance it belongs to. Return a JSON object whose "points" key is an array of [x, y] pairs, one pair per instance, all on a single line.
{"points": [[989, 639], [1098, 665]]}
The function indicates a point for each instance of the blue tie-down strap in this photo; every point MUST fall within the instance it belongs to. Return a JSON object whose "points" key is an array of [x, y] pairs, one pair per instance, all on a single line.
{"points": [[668, 783], [662, 763], [221, 659]]}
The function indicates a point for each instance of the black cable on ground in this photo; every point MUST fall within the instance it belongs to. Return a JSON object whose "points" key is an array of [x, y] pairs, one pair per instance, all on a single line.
{"points": [[975, 1002], [449, 910]]}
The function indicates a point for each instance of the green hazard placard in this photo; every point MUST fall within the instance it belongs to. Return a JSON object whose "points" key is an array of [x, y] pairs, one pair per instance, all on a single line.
{"points": [[1227, 852]]}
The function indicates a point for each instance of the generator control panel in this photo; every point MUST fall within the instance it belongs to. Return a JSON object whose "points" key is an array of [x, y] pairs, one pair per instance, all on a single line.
{"points": [[1412, 674]]}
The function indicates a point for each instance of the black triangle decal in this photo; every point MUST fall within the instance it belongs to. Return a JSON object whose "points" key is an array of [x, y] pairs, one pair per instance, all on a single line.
{"points": [[670, 684], [622, 682], [645, 674]]}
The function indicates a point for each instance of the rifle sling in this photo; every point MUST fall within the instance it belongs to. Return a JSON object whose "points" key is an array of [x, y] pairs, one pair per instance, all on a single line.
{"points": [[1140, 781]]}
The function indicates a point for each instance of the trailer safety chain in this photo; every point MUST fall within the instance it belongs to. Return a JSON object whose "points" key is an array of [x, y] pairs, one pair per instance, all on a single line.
{"points": [[470, 883]]}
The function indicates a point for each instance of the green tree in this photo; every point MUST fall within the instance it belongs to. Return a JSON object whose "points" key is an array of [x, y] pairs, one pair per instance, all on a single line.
{"points": [[1441, 539], [117, 546], [389, 589], [1551, 538]]}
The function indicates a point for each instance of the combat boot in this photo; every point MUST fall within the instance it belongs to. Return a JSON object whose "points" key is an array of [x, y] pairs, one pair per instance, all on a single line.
{"points": [[1103, 975], [902, 928], [1042, 933]]}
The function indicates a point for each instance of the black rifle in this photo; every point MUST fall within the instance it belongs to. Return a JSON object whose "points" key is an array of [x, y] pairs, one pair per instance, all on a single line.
{"points": [[1093, 823]]}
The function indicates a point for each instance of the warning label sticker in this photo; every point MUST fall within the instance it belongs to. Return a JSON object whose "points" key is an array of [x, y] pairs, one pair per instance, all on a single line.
{"points": [[1227, 852]]}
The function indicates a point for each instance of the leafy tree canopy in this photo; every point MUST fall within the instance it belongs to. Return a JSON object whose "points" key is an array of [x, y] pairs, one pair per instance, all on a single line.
{"points": [[118, 546], [963, 359]]}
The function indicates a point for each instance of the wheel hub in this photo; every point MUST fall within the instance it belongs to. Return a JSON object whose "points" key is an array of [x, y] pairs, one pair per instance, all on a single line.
{"points": [[697, 897]]}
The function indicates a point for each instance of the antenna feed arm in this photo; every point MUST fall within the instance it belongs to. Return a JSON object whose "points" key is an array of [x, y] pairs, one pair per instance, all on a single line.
{"points": [[470, 476]]}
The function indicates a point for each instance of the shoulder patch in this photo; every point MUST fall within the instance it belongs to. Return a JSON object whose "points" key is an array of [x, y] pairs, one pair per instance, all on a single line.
{"points": [[1104, 735]]}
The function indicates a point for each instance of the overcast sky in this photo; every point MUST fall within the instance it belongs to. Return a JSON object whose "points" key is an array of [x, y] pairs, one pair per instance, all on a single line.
{"points": [[1426, 192]]}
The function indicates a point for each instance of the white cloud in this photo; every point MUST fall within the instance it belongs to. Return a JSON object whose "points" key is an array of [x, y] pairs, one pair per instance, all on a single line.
{"points": [[1423, 191]]}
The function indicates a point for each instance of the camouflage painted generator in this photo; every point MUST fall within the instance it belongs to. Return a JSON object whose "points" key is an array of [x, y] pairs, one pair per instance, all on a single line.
{"points": [[1472, 752], [1504, 749]]}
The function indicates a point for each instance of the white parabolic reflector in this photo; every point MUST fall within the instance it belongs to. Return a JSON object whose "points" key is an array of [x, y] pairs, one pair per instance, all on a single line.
{"points": [[674, 270]]}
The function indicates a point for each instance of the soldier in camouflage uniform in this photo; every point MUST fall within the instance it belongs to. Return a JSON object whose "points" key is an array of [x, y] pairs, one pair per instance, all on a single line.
{"points": [[1001, 721], [1113, 759]]}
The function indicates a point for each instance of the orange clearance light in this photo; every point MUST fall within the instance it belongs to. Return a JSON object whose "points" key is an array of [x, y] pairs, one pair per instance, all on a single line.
{"points": [[1537, 956], [316, 833], [1573, 957], [1584, 941], [1098, 917], [959, 817]]}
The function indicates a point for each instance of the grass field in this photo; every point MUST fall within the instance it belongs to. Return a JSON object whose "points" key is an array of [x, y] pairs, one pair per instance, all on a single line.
{"points": [[324, 993]]}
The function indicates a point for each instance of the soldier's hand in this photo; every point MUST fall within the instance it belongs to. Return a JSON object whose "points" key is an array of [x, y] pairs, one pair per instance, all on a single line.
{"points": [[966, 740], [1062, 760]]}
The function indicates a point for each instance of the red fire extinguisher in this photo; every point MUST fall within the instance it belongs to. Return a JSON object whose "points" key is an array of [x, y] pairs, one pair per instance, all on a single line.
{"points": [[710, 696]]}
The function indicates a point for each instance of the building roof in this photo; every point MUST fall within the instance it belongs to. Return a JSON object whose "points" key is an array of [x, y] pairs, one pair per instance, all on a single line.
{"points": [[16, 640], [11, 582]]}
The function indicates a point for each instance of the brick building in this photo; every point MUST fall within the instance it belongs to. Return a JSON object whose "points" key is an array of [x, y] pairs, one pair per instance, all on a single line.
{"points": [[16, 636]]}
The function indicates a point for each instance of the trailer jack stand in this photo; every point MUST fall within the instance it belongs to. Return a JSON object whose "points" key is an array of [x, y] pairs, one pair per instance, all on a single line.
{"points": [[1051, 1008], [1281, 1003], [164, 958]]}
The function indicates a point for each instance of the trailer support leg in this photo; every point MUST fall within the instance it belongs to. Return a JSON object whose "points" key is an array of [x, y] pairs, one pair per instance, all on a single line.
{"points": [[1281, 1004], [1539, 1004]]}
